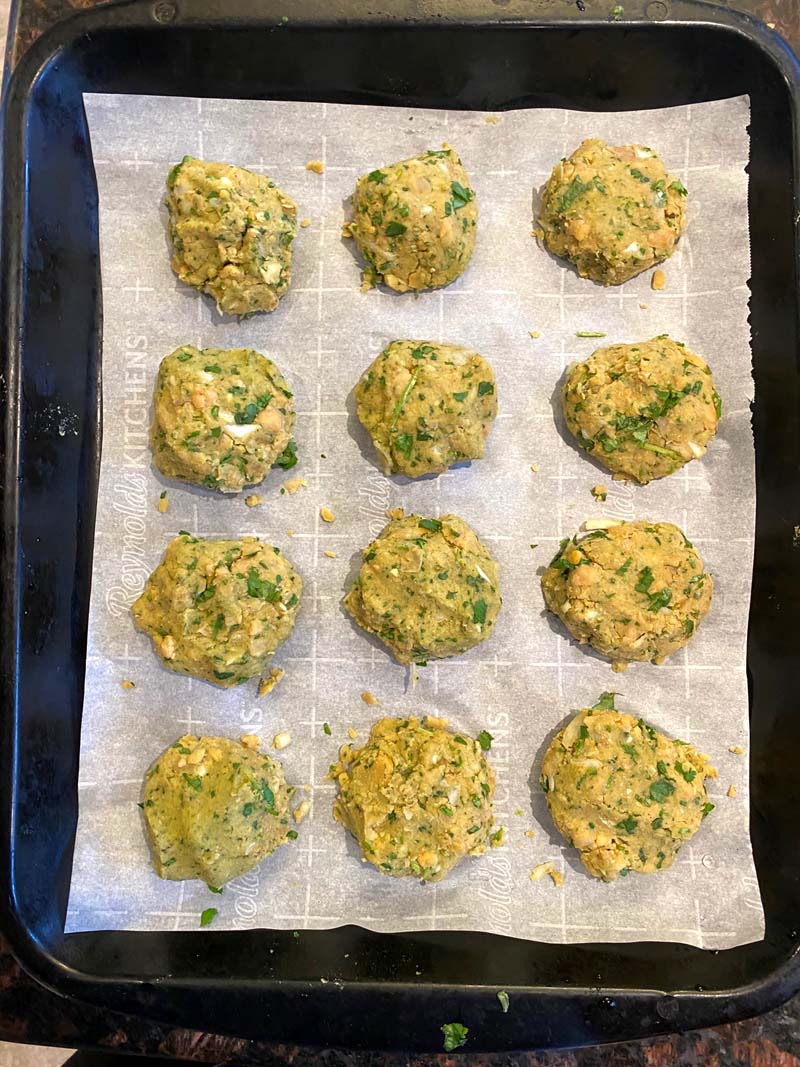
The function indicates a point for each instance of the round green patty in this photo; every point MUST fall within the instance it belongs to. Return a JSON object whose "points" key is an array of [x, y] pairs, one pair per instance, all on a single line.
{"points": [[612, 211], [426, 406], [231, 233], [643, 410], [417, 797], [214, 808], [634, 591], [427, 588], [626, 796], [219, 609], [415, 221], [222, 417]]}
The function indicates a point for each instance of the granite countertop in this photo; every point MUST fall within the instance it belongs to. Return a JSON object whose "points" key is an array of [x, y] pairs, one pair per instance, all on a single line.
{"points": [[29, 1013]]}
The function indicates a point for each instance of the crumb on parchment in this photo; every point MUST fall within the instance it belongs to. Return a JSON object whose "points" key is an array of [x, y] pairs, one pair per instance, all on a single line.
{"points": [[250, 741], [282, 740], [732, 791], [543, 869], [302, 809], [371, 699], [266, 685], [163, 502], [254, 500], [737, 750], [599, 492], [659, 280], [305, 223], [126, 683], [395, 513], [534, 334], [316, 165], [326, 514], [491, 120], [294, 484], [329, 554]]}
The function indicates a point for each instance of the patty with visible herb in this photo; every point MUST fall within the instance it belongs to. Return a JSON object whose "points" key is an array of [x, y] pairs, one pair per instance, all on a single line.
{"points": [[231, 233], [416, 797], [427, 588], [214, 808], [415, 221], [626, 796], [222, 417], [219, 609], [612, 211], [642, 410], [635, 591], [427, 406]]}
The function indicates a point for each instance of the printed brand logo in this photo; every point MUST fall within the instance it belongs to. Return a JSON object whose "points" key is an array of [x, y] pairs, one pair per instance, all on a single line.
{"points": [[494, 870], [375, 501]]}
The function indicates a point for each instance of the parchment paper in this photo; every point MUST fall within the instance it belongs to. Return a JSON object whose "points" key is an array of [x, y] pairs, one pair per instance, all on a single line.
{"points": [[523, 682]]}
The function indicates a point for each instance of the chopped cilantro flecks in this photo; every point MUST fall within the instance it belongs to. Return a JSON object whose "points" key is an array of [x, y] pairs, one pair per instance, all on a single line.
{"points": [[434, 525], [208, 916], [479, 612], [485, 740]]}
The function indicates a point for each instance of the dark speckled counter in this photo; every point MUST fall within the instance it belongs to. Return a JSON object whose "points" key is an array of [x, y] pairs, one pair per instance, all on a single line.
{"points": [[29, 1013]]}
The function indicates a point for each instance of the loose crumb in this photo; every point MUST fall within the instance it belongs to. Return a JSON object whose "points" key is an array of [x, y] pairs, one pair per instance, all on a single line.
{"points": [[530, 834], [535, 468], [250, 740], [351, 733], [254, 500], [371, 699], [518, 811], [294, 484], [266, 685], [659, 280], [163, 502], [329, 554], [737, 750], [305, 223], [491, 120], [643, 307], [290, 532], [282, 740], [599, 492], [316, 165], [534, 334], [600, 524], [731, 791], [127, 684], [326, 514], [543, 869], [395, 513], [302, 809]]}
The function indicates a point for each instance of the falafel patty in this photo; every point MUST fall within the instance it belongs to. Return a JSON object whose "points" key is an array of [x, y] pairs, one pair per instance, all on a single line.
{"points": [[426, 406], [219, 609], [612, 211], [214, 809], [427, 588], [626, 796], [634, 591], [643, 410], [415, 221], [231, 233], [417, 797], [222, 417]]}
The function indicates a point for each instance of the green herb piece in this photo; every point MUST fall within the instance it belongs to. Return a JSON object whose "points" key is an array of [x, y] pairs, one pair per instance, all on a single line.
{"points": [[455, 1035], [208, 916], [461, 397], [376, 176], [605, 703], [485, 388], [479, 612], [291, 835], [206, 594], [404, 443], [183, 356], [268, 797], [502, 996], [576, 188], [688, 773], [288, 458], [326, 729], [461, 195], [717, 403], [661, 789], [635, 173], [688, 627], [214, 889], [485, 740], [624, 568], [707, 807], [213, 368], [660, 600], [193, 782], [590, 333], [219, 622], [262, 588], [395, 229], [645, 580], [434, 525], [401, 403], [222, 675], [627, 825], [248, 809], [679, 188]]}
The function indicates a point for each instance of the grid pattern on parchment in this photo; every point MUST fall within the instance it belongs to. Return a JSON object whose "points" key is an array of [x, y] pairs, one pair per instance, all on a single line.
{"points": [[523, 681]]}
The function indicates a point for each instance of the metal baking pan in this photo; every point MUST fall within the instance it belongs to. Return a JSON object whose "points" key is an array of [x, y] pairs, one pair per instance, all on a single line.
{"points": [[381, 991]]}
